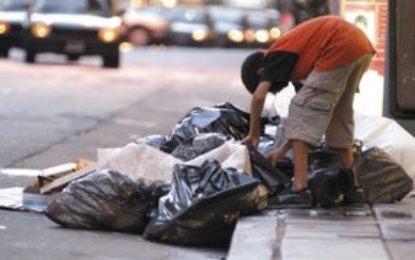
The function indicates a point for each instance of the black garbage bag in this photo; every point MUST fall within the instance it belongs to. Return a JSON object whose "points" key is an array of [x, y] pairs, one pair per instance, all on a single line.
{"points": [[106, 200], [383, 180], [155, 141], [226, 119], [271, 177], [202, 206], [198, 145], [328, 185], [286, 166], [322, 158]]}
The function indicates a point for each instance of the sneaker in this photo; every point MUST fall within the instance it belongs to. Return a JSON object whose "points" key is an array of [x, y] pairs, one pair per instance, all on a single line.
{"points": [[291, 199], [354, 195]]}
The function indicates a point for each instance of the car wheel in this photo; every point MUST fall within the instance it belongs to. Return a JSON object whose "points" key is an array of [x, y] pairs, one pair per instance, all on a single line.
{"points": [[111, 61], [72, 57], [139, 37], [30, 56], [4, 52]]}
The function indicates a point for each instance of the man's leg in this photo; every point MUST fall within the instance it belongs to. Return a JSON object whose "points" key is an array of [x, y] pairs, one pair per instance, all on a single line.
{"points": [[299, 195], [346, 157], [300, 151], [309, 114], [340, 132], [347, 160]]}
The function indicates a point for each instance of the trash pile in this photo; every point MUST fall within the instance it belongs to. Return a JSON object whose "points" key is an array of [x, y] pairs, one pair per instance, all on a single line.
{"points": [[190, 187]]}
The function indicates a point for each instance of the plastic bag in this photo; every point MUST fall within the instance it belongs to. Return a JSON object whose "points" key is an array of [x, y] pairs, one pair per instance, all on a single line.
{"points": [[202, 206], [328, 186], [235, 155], [322, 158], [106, 200], [226, 119], [138, 161], [286, 166], [198, 145], [155, 141], [229, 155], [271, 177], [266, 144], [388, 135], [382, 179]]}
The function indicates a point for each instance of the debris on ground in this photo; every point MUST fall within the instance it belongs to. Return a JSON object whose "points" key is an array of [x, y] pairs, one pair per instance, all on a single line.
{"points": [[36, 195]]}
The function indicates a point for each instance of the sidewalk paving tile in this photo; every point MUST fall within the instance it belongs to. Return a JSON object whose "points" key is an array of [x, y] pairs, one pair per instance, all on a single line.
{"points": [[401, 250], [397, 221], [341, 233], [255, 238], [333, 248]]}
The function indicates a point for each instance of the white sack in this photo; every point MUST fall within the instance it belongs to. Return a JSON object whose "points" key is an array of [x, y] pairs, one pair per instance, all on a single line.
{"points": [[138, 161], [229, 154], [143, 161]]}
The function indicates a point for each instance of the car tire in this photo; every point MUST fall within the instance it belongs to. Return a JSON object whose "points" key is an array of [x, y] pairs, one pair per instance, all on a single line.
{"points": [[139, 36], [30, 56], [4, 52], [72, 57], [111, 61]]}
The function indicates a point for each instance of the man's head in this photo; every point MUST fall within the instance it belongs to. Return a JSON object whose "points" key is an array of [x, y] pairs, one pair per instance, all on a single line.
{"points": [[250, 70]]}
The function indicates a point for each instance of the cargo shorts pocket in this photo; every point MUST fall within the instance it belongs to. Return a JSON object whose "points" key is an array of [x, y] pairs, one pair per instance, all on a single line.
{"points": [[321, 105], [314, 103]]}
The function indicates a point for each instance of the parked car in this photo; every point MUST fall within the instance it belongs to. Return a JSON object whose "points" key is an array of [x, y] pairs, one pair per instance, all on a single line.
{"points": [[74, 28], [13, 14], [262, 27], [228, 23], [145, 25], [190, 26]]}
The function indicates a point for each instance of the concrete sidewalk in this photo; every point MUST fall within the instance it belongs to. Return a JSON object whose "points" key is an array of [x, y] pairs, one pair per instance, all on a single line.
{"points": [[383, 231]]}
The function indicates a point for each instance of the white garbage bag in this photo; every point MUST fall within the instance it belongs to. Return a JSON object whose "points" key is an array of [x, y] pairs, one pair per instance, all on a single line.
{"points": [[138, 161], [229, 154], [143, 161]]}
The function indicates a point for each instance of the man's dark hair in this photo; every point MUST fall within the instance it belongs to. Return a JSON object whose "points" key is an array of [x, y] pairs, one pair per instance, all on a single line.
{"points": [[249, 70]]}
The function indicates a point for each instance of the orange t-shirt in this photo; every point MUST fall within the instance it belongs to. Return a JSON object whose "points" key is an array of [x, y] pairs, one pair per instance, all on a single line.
{"points": [[322, 44]]}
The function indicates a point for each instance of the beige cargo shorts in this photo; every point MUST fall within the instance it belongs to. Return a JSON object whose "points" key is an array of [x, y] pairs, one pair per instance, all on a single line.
{"points": [[324, 106]]}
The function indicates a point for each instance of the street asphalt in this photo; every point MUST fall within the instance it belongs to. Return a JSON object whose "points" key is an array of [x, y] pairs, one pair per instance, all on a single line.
{"points": [[55, 112]]}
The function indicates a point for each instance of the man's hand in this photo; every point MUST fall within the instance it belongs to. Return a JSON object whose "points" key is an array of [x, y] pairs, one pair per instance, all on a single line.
{"points": [[251, 140]]}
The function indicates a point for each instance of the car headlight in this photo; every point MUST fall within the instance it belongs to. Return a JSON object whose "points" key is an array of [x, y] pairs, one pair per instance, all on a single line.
{"points": [[199, 35], [236, 35], [4, 27], [250, 36], [108, 34], [41, 30], [275, 33], [262, 36]]}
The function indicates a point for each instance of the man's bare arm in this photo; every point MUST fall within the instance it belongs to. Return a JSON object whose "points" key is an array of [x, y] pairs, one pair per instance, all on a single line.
{"points": [[257, 104]]}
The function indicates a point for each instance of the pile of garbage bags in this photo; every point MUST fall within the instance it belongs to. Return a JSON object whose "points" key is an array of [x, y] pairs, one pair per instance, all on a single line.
{"points": [[189, 187]]}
